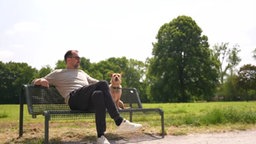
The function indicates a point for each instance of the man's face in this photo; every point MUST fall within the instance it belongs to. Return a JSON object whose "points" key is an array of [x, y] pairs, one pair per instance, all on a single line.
{"points": [[74, 60]]}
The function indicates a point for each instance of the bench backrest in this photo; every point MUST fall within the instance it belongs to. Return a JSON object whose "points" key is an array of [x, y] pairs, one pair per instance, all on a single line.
{"points": [[39, 99], [130, 98]]}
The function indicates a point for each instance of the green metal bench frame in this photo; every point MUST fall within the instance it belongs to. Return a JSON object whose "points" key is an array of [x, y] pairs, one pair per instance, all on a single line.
{"points": [[48, 102]]}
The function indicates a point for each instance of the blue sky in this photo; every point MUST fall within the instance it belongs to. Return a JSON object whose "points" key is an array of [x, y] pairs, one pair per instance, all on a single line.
{"points": [[39, 32]]}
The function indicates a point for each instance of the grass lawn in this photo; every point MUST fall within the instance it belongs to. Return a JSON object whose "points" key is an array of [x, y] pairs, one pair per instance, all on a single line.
{"points": [[180, 119]]}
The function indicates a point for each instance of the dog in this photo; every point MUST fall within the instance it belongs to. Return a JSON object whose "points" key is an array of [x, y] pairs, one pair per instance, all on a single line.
{"points": [[116, 89]]}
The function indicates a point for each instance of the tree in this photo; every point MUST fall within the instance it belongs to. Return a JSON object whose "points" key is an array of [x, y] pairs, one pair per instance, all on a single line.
{"points": [[12, 76], [135, 77], [225, 54], [60, 64], [86, 65], [228, 60], [220, 52], [247, 78], [230, 89], [234, 59], [106, 67], [182, 66], [44, 71]]}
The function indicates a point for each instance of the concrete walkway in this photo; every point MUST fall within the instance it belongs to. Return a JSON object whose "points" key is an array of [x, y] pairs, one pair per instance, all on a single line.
{"points": [[235, 137]]}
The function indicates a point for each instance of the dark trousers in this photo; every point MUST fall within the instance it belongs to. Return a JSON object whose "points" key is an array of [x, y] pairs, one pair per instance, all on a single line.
{"points": [[95, 97]]}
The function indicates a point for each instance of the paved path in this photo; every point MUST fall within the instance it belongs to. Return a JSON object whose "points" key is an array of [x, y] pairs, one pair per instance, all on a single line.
{"points": [[236, 137]]}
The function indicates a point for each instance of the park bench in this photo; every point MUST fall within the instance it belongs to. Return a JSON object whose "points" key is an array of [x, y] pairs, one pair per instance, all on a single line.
{"points": [[49, 103]]}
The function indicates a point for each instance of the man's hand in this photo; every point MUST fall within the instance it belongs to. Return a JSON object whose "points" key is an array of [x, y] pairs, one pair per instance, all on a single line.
{"points": [[42, 82]]}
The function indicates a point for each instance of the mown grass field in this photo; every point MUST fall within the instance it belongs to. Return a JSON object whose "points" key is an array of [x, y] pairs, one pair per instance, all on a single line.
{"points": [[180, 119]]}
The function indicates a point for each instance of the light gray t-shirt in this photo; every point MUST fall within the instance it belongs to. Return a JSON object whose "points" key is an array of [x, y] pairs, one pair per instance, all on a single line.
{"points": [[67, 80]]}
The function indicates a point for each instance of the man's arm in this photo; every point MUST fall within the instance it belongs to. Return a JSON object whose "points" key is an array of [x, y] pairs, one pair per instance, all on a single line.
{"points": [[41, 81]]}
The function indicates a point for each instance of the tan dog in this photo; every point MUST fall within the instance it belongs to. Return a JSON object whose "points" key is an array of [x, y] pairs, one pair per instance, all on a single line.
{"points": [[116, 89]]}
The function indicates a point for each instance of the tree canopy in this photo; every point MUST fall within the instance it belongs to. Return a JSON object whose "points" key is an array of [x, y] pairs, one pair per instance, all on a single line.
{"points": [[12, 76], [182, 67]]}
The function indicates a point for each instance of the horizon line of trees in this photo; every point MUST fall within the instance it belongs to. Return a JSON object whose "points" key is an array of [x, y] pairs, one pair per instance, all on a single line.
{"points": [[183, 68]]}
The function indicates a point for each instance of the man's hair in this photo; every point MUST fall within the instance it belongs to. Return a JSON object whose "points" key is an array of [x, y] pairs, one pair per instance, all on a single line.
{"points": [[68, 54]]}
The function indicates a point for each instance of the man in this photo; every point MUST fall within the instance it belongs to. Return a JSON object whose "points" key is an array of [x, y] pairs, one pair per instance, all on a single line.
{"points": [[82, 92]]}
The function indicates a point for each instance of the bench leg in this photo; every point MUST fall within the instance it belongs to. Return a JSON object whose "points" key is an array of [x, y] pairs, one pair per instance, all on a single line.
{"points": [[46, 128], [162, 123], [21, 121], [21, 115], [130, 116]]}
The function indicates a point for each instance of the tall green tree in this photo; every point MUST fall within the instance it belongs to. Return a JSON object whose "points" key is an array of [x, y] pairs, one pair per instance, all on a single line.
{"points": [[111, 65], [221, 52], [230, 89], [247, 79], [86, 65], [44, 71], [135, 74], [60, 64], [227, 57], [12, 76], [234, 59], [182, 67]]}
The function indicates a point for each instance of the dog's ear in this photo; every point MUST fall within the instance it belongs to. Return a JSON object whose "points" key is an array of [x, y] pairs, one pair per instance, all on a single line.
{"points": [[110, 74]]}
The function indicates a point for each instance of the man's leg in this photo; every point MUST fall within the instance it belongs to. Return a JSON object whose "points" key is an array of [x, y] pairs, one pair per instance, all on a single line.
{"points": [[109, 103], [100, 112], [81, 98], [87, 98], [124, 126], [92, 97]]}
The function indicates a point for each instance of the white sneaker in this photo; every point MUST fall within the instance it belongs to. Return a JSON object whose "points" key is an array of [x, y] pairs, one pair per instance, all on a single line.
{"points": [[128, 127], [102, 140]]}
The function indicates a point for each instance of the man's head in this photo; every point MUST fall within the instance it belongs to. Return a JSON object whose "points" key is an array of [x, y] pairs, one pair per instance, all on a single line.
{"points": [[72, 59]]}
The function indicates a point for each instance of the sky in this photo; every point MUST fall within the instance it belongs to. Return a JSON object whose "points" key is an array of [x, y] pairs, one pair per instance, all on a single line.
{"points": [[39, 32]]}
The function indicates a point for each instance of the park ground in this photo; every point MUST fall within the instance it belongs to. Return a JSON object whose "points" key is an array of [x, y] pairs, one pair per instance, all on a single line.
{"points": [[33, 133]]}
